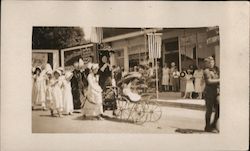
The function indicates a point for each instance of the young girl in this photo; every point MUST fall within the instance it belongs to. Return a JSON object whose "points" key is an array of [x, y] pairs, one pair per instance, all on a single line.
{"points": [[199, 83], [39, 89], [67, 95], [49, 99], [189, 85], [57, 92]]}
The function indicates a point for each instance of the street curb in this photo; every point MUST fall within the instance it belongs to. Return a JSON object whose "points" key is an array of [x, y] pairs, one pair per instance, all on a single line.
{"points": [[187, 104]]}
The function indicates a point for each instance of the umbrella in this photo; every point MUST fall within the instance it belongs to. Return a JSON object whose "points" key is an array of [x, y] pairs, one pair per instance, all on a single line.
{"points": [[130, 77]]}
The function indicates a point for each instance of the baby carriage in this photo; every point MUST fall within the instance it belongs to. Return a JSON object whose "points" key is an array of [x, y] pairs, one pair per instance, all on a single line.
{"points": [[110, 98], [135, 106]]}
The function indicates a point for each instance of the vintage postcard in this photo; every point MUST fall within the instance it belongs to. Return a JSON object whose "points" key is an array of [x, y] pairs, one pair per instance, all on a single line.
{"points": [[124, 75]]}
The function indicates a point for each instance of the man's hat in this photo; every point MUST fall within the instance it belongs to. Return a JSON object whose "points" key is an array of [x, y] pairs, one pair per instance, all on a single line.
{"points": [[208, 59]]}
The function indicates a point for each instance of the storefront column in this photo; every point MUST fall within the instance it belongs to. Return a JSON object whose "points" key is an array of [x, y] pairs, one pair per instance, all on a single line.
{"points": [[126, 59]]}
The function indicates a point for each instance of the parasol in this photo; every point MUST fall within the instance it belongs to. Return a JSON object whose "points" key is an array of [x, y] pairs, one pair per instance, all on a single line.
{"points": [[130, 77]]}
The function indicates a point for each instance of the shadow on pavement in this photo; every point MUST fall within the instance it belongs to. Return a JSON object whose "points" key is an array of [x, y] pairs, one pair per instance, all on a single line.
{"points": [[191, 131], [116, 119], [105, 117], [182, 105]]}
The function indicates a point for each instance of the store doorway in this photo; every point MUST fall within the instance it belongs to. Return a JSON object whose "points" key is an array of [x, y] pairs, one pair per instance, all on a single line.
{"points": [[171, 51]]}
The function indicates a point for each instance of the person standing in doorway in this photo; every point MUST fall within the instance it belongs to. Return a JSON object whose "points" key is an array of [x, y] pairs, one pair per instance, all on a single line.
{"points": [[171, 80], [165, 77], [211, 76], [189, 84], [176, 80], [199, 83]]}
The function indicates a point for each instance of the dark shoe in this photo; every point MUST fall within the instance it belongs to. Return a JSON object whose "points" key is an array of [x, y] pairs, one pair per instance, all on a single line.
{"points": [[51, 112], [99, 118], [115, 113], [208, 129]]}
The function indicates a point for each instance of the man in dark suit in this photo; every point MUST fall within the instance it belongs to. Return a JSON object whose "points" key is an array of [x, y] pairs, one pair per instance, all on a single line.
{"points": [[77, 86], [211, 75]]}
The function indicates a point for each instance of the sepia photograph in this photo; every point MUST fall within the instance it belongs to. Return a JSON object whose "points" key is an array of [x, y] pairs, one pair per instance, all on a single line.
{"points": [[125, 80], [124, 76]]}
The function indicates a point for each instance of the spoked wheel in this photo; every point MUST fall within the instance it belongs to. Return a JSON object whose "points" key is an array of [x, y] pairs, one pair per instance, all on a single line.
{"points": [[122, 109], [138, 113], [154, 111]]}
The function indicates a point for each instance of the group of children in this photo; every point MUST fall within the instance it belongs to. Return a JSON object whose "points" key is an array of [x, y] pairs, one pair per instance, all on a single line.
{"points": [[52, 90]]}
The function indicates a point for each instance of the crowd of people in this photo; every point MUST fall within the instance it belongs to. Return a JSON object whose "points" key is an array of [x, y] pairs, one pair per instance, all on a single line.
{"points": [[82, 88]]}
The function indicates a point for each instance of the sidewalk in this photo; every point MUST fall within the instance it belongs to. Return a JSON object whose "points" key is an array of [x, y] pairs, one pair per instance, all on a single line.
{"points": [[174, 99]]}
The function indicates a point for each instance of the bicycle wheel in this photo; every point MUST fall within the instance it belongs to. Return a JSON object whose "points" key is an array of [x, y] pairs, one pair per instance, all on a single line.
{"points": [[154, 111], [138, 113], [122, 109]]}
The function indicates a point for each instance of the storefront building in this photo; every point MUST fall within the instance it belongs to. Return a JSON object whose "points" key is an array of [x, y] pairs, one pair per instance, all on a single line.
{"points": [[185, 47]]}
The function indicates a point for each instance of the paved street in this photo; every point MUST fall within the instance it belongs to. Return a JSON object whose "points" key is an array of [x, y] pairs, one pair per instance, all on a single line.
{"points": [[173, 118]]}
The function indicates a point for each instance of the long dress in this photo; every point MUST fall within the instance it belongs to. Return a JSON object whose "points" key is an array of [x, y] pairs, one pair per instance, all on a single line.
{"points": [[171, 80], [39, 90], [49, 98], [67, 98], [165, 76], [189, 83], [93, 104], [199, 83], [77, 88], [57, 94]]}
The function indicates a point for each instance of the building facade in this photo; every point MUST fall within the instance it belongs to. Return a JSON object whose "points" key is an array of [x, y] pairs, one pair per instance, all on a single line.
{"points": [[185, 47]]}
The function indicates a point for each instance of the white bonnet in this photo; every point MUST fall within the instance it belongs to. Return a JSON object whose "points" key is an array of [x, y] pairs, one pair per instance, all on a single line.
{"points": [[95, 66], [68, 75]]}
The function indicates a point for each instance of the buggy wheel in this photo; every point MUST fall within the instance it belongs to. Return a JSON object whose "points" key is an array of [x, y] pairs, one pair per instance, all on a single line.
{"points": [[154, 111], [138, 113], [122, 109]]}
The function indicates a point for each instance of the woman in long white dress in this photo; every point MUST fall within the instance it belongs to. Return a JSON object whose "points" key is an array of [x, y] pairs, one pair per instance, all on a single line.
{"points": [[189, 85], [67, 94], [199, 83], [49, 98], [39, 89], [165, 77], [93, 108], [57, 92]]}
